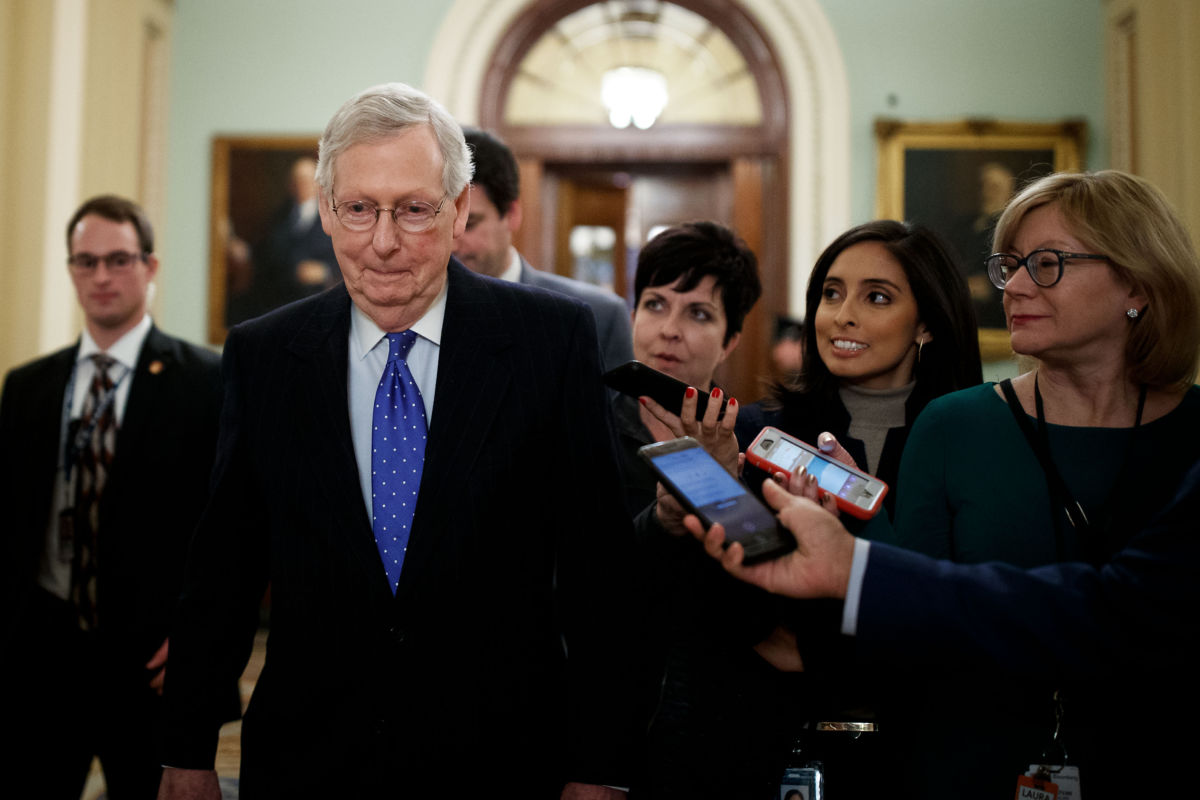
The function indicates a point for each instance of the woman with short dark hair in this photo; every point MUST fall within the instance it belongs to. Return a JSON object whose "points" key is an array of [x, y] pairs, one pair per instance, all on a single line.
{"points": [[694, 286]]}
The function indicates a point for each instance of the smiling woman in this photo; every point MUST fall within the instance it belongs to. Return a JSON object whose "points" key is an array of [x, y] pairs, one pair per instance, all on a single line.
{"points": [[868, 327], [892, 327]]}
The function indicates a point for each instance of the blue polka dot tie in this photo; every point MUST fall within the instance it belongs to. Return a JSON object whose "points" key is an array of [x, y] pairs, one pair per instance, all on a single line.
{"points": [[397, 455]]}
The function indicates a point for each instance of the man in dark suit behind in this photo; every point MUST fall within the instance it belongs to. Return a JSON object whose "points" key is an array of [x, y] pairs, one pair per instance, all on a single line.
{"points": [[486, 246], [90, 578], [486, 643]]}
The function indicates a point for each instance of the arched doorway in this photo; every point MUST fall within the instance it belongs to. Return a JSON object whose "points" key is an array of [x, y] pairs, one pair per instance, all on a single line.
{"points": [[744, 175]]}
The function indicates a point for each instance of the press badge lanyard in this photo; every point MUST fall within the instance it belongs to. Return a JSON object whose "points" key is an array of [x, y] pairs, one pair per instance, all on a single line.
{"points": [[1039, 442], [74, 445], [1039, 785]]}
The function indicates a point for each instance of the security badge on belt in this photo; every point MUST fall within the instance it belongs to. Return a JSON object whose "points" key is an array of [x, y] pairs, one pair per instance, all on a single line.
{"points": [[1044, 782], [1049, 781]]}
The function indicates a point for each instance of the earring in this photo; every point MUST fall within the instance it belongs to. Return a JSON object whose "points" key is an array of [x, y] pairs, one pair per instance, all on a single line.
{"points": [[920, 346], [1132, 313]]}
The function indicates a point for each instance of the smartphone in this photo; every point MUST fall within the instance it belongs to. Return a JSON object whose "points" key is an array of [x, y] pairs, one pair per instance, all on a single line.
{"points": [[857, 493], [636, 379], [705, 489]]}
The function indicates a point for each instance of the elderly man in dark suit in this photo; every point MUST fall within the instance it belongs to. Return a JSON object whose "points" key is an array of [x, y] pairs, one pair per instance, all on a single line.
{"points": [[486, 245], [105, 452], [419, 462]]}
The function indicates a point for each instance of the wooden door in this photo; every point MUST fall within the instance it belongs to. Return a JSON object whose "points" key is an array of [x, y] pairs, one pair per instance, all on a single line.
{"points": [[633, 200]]}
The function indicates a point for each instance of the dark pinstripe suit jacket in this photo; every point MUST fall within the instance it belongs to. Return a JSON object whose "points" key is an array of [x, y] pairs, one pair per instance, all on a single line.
{"points": [[518, 553], [156, 489]]}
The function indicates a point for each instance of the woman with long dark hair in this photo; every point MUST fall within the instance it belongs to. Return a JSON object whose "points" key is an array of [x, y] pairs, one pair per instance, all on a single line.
{"points": [[889, 326]]}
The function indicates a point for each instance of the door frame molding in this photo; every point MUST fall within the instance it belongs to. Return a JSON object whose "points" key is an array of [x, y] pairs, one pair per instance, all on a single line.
{"points": [[816, 174]]}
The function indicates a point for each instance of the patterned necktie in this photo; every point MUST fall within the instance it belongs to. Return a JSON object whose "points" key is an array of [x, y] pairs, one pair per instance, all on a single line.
{"points": [[397, 455], [93, 463]]}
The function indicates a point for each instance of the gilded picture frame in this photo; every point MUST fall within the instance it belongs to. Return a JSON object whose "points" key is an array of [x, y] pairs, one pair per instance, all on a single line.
{"points": [[259, 256], [955, 177]]}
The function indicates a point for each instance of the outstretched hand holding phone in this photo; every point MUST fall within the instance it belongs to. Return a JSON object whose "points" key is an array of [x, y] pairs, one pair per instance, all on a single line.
{"points": [[818, 567], [671, 408], [714, 431], [704, 488]]}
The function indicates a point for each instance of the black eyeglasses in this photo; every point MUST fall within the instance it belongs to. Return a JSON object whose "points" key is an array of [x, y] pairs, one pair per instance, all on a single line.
{"points": [[1044, 266], [413, 216], [116, 261]]}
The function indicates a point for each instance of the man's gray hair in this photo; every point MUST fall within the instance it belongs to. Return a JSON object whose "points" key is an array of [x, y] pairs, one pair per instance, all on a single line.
{"points": [[387, 110]]}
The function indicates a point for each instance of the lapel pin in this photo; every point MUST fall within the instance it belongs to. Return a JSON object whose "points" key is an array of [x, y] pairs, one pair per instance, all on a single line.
{"points": [[156, 367]]}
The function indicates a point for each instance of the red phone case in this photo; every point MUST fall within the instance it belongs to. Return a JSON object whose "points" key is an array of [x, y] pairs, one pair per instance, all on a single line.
{"points": [[853, 509]]}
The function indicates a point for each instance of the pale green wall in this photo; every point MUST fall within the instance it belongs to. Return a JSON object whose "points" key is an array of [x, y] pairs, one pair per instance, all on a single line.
{"points": [[283, 67], [1026, 60], [266, 67]]}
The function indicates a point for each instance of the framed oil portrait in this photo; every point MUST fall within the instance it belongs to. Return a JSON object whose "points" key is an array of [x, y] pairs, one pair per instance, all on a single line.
{"points": [[266, 245], [956, 178]]}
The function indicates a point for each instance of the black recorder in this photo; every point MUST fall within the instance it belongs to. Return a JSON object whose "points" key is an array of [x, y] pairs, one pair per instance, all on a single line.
{"points": [[636, 379], [705, 489]]}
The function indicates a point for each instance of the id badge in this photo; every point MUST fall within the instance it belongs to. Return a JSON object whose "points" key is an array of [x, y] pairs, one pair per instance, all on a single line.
{"points": [[1049, 782], [803, 783]]}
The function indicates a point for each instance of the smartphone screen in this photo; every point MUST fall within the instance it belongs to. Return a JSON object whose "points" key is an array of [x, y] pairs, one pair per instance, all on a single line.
{"points": [[715, 496], [830, 476], [857, 493]]}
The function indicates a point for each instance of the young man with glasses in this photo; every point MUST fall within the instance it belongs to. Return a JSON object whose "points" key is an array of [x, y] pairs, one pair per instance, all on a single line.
{"points": [[105, 451]]}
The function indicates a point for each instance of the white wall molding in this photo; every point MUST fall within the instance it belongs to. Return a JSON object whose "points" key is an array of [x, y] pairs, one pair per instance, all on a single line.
{"points": [[818, 98]]}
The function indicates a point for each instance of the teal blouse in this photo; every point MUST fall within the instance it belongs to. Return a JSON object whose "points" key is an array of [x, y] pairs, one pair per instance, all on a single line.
{"points": [[974, 490]]}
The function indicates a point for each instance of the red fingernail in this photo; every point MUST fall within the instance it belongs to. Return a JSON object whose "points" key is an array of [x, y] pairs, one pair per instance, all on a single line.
{"points": [[733, 401], [642, 400], [716, 393], [690, 393]]}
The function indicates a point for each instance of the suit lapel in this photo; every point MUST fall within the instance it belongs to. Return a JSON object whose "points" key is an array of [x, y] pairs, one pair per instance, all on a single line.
{"points": [[322, 342], [46, 405], [147, 391], [472, 374], [526, 276]]}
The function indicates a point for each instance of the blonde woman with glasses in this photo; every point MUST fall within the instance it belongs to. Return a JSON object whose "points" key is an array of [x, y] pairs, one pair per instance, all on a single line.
{"points": [[1102, 298]]}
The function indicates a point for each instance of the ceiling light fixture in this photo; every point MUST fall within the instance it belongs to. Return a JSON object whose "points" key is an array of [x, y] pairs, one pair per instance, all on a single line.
{"points": [[634, 95]]}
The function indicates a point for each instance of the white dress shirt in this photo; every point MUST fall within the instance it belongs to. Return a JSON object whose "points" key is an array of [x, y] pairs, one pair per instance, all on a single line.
{"points": [[858, 569], [368, 356], [54, 575], [512, 273]]}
